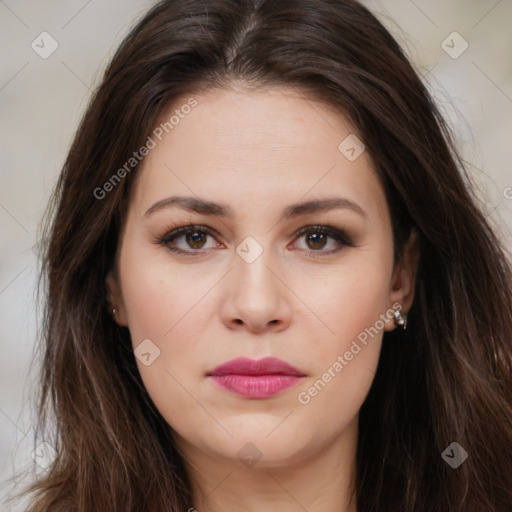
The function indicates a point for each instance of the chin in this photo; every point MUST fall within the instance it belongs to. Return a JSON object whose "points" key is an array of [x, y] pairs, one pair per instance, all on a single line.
{"points": [[253, 449]]}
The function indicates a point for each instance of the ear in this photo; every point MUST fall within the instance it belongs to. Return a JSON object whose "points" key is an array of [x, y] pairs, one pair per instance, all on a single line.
{"points": [[404, 278], [115, 298]]}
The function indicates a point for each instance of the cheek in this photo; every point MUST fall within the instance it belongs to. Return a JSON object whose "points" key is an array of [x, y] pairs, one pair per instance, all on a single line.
{"points": [[165, 304], [346, 353], [162, 308], [158, 296], [346, 300]]}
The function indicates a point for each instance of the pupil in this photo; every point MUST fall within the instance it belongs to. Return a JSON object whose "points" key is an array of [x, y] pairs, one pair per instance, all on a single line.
{"points": [[195, 238], [317, 238]]}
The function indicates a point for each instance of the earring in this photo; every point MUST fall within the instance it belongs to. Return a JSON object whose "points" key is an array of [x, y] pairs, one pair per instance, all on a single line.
{"points": [[400, 319], [114, 311]]}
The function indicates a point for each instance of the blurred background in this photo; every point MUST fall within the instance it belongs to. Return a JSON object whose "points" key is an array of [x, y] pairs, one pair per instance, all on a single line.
{"points": [[53, 54]]}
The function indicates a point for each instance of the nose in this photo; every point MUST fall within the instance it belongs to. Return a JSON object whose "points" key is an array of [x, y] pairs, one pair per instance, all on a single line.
{"points": [[257, 297]]}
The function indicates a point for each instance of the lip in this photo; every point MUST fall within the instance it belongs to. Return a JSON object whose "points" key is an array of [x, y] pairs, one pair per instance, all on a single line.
{"points": [[251, 378]]}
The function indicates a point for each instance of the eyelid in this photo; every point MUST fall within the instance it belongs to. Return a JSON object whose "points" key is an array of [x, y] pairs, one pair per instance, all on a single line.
{"points": [[329, 230], [181, 230], [339, 235]]}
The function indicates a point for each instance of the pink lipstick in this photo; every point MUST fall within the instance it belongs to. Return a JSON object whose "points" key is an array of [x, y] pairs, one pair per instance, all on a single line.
{"points": [[255, 378]]}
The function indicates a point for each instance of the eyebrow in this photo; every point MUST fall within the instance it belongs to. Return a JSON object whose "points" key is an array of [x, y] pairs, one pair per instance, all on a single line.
{"points": [[197, 205]]}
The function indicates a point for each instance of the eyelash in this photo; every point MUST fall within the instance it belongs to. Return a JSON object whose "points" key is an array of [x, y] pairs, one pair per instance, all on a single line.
{"points": [[339, 236]]}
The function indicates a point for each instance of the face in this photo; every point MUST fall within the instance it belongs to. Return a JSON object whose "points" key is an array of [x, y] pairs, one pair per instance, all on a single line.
{"points": [[253, 275]]}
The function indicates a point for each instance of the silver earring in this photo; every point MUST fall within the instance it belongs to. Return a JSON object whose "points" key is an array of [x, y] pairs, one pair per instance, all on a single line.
{"points": [[114, 311], [400, 319]]}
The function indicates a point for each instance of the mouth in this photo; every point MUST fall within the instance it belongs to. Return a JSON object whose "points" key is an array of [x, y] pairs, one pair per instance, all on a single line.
{"points": [[255, 378]]}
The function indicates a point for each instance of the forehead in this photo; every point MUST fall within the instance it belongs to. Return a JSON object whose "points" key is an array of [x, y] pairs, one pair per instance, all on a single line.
{"points": [[263, 147]]}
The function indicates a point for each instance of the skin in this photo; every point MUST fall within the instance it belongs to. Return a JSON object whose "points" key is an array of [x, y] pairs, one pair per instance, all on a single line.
{"points": [[259, 152]]}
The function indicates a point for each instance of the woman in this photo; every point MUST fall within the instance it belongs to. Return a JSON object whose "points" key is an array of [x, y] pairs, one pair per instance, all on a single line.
{"points": [[269, 285]]}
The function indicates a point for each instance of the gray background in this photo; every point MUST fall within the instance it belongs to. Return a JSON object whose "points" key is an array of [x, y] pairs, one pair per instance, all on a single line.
{"points": [[42, 100]]}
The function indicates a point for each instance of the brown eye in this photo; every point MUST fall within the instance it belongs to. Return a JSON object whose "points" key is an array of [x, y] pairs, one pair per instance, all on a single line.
{"points": [[316, 240], [196, 239]]}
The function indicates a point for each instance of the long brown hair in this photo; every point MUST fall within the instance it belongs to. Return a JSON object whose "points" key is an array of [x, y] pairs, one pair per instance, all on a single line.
{"points": [[447, 378]]}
